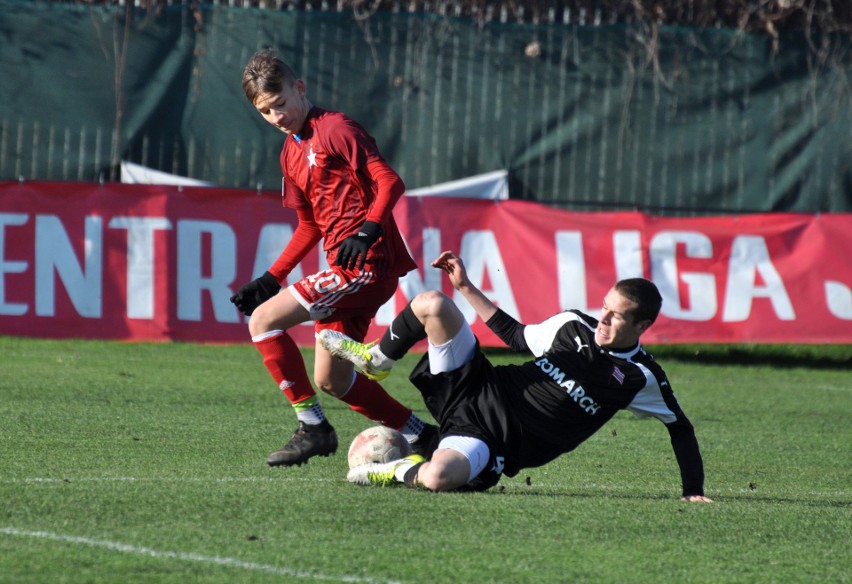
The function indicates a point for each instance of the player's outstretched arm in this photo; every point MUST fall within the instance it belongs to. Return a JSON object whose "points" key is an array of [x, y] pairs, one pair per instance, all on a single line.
{"points": [[453, 265]]}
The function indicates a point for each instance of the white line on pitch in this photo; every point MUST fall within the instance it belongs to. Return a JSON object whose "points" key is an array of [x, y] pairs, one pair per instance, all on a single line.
{"points": [[143, 551], [169, 479]]}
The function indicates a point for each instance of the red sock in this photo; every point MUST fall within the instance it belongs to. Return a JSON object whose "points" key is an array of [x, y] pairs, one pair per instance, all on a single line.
{"points": [[284, 362], [369, 399]]}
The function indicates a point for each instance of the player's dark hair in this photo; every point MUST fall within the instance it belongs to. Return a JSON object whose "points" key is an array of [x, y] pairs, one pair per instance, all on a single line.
{"points": [[266, 73], [646, 296]]}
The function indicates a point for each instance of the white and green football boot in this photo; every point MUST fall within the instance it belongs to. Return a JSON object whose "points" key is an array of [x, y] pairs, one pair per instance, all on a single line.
{"points": [[356, 353], [382, 474]]}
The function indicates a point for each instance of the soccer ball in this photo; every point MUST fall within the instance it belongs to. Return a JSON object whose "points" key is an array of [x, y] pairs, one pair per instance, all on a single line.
{"points": [[377, 444]]}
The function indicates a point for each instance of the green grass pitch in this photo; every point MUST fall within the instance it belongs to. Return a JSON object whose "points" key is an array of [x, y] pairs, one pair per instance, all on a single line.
{"points": [[125, 463]]}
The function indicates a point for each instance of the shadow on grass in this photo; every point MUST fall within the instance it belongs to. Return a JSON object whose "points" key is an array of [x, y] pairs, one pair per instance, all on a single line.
{"points": [[514, 491], [777, 356]]}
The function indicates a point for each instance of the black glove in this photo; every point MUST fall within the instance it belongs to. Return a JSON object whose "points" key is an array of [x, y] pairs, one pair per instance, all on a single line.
{"points": [[356, 246], [255, 293]]}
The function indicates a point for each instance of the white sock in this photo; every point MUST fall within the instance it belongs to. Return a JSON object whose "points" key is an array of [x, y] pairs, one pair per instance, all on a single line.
{"points": [[399, 472], [310, 412], [379, 359], [412, 429]]}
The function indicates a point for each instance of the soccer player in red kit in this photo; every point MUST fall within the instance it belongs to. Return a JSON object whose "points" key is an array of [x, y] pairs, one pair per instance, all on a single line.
{"points": [[343, 192]]}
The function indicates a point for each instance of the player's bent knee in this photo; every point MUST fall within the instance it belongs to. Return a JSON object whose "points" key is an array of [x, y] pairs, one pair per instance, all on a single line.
{"points": [[437, 482], [334, 388], [336, 380], [444, 473], [324, 385], [428, 303], [261, 321]]}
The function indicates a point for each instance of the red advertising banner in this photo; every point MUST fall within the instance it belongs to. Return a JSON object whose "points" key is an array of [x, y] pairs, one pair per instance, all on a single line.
{"points": [[141, 262]]}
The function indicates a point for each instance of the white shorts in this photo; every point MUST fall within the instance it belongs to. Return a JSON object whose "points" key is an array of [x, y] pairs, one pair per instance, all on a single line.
{"points": [[473, 449], [454, 353]]}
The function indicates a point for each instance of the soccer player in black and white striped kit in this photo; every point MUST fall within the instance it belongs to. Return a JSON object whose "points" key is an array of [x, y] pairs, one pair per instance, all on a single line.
{"points": [[497, 420]]}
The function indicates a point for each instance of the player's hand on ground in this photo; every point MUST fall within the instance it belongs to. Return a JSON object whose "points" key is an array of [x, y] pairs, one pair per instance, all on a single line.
{"points": [[697, 499], [255, 293], [453, 265], [352, 252]]}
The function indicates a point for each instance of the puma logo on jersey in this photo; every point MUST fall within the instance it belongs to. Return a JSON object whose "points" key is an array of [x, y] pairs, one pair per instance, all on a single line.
{"points": [[580, 344], [575, 391]]}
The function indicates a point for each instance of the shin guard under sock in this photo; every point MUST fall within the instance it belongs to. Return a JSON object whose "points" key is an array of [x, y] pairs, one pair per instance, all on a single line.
{"points": [[404, 332], [284, 362]]}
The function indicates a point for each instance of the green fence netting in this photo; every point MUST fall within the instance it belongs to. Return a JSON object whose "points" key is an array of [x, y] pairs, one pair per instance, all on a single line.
{"points": [[682, 121]]}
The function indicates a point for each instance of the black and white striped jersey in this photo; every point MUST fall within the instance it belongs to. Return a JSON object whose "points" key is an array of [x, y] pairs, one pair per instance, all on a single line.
{"points": [[572, 387]]}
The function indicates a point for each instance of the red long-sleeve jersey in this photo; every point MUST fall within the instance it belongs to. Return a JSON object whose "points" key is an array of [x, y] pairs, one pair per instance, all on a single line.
{"points": [[335, 178]]}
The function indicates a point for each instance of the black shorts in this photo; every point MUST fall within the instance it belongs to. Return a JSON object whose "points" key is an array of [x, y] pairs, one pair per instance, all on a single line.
{"points": [[469, 402]]}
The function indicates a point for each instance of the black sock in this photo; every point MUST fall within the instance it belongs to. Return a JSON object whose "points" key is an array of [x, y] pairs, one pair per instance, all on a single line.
{"points": [[405, 331]]}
